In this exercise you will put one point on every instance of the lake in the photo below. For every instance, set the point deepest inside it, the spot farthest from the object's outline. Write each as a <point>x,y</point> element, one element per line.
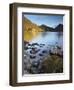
<point>46,41</point>
<point>38,49</point>
<point>50,38</point>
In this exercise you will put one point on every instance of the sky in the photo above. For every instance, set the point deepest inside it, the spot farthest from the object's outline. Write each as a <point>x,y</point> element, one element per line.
<point>49,20</point>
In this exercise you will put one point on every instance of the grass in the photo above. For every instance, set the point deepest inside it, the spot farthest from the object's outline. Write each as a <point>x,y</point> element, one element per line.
<point>53,64</point>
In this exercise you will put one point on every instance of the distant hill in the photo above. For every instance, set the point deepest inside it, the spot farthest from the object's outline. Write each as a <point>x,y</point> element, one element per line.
<point>59,28</point>
<point>46,28</point>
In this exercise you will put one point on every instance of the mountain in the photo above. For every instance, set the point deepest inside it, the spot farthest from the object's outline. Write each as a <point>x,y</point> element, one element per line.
<point>30,26</point>
<point>59,28</point>
<point>46,28</point>
<point>31,30</point>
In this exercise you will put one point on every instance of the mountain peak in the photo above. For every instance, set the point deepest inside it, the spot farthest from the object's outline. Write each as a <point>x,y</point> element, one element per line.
<point>59,27</point>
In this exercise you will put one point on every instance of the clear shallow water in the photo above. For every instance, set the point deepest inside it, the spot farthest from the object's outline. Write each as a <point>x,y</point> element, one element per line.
<point>50,38</point>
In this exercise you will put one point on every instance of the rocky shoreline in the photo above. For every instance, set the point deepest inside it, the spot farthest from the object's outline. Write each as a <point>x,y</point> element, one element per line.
<point>37,55</point>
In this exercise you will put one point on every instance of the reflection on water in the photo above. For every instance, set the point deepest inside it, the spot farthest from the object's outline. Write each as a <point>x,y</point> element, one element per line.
<point>51,38</point>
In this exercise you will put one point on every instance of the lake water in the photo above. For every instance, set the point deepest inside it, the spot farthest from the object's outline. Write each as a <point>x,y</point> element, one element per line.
<point>50,38</point>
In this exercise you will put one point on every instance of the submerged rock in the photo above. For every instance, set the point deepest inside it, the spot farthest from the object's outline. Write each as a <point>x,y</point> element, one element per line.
<point>32,57</point>
<point>41,54</point>
<point>44,51</point>
<point>35,56</point>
